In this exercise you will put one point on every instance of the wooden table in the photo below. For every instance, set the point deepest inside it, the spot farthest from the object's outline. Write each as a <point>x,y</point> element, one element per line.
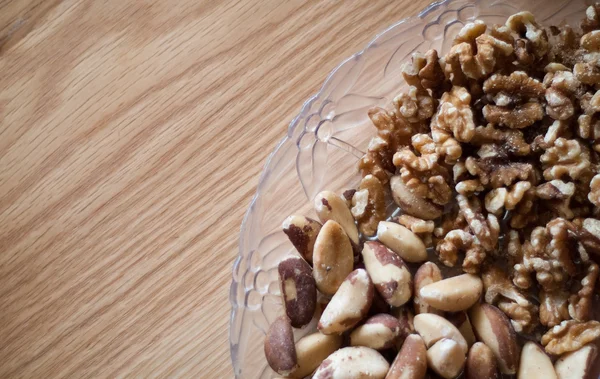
<point>132,136</point>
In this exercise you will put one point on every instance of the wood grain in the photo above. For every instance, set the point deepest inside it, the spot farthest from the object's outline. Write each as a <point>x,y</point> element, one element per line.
<point>132,134</point>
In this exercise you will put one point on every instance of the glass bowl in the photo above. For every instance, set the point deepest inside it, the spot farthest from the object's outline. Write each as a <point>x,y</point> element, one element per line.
<point>322,148</point>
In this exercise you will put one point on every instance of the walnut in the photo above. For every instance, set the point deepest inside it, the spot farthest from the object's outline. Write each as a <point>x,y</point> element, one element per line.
<point>519,117</point>
<point>501,292</point>
<point>592,18</point>
<point>446,146</point>
<point>474,258</point>
<point>580,302</point>
<point>554,67</point>
<point>590,103</point>
<point>392,132</point>
<point>591,41</point>
<point>564,47</point>
<point>432,75</point>
<point>476,64</point>
<point>547,253</point>
<point>570,335</point>
<point>410,70</point>
<point>510,140</point>
<point>516,86</point>
<point>587,236</point>
<point>557,194</point>
<point>415,105</point>
<point>516,97</point>
<point>524,214</point>
<point>562,87</point>
<point>368,205</point>
<point>424,71</point>
<point>557,129</point>
<point>497,173</point>
<point>470,32</point>
<point>454,115</point>
<point>499,199</point>
<point>416,225</point>
<point>422,228</point>
<point>503,33</point>
<point>452,220</point>
<point>360,202</point>
<point>453,242</point>
<point>594,195</point>
<point>523,23</point>
<point>433,188</point>
<point>589,122</point>
<point>553,307</point>
<point>589,128</point>
<point>378,160</point>
<point>475,54</point>
<point>524,52</point>
<point>587,59</point>
<point>486,230</point>
<point>459,171</point>
<point>468,187</point>
<point>592,226</point>
<point>514,250</point>
<point>426,161</point>
<point>459,240</point>
<point>563,80</point>
<point>566,158</point>
<point>395,130</point>
<point>422,174</point>
<point>588,72</point>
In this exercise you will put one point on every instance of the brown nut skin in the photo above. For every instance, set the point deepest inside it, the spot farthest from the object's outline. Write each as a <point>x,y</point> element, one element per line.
<point>535,363</point>
<point>428,273</point>
<point>302,232</point>
<point>333,258</point>
<point>330,206</point>
<point>355,362</point>
<point>280,350</point>
<point>493,328</point>
<point>389,273</point>
<point>453,294</point>
<point>578,364</point>
<point>411,361</point>
<point>402,241</point>
<point>433,328</point>
<point>312,350</point>
<point>298,290</point>
<point>446,358</point>
<point>349,305</point>
<point>379,332</point>
<point>481,363</point>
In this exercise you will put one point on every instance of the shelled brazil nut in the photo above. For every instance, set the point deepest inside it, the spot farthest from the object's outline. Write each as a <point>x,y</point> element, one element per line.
<point>333,258</point>
<point>298,290</point>
<point>353,362</point>
<point>349,305</point>
<point>389,273</point>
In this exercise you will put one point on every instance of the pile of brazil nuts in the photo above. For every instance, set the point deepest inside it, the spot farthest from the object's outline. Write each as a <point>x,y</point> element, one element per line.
<point>488,268</point>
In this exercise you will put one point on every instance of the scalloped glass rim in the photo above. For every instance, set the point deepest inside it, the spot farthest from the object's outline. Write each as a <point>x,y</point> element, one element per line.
<point>564,10</point>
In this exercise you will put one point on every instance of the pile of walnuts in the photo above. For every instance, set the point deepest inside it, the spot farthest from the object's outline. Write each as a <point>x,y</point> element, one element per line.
<point>493,157</point>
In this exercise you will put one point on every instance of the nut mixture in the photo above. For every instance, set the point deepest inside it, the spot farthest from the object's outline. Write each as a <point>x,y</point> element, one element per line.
<point>492,156</point>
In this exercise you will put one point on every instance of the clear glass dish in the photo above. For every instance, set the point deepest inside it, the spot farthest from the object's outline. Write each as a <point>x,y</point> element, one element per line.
<point>322,148</point>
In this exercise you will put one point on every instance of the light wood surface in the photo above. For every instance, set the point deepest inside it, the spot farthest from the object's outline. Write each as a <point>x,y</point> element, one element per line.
<point>132,134</point>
